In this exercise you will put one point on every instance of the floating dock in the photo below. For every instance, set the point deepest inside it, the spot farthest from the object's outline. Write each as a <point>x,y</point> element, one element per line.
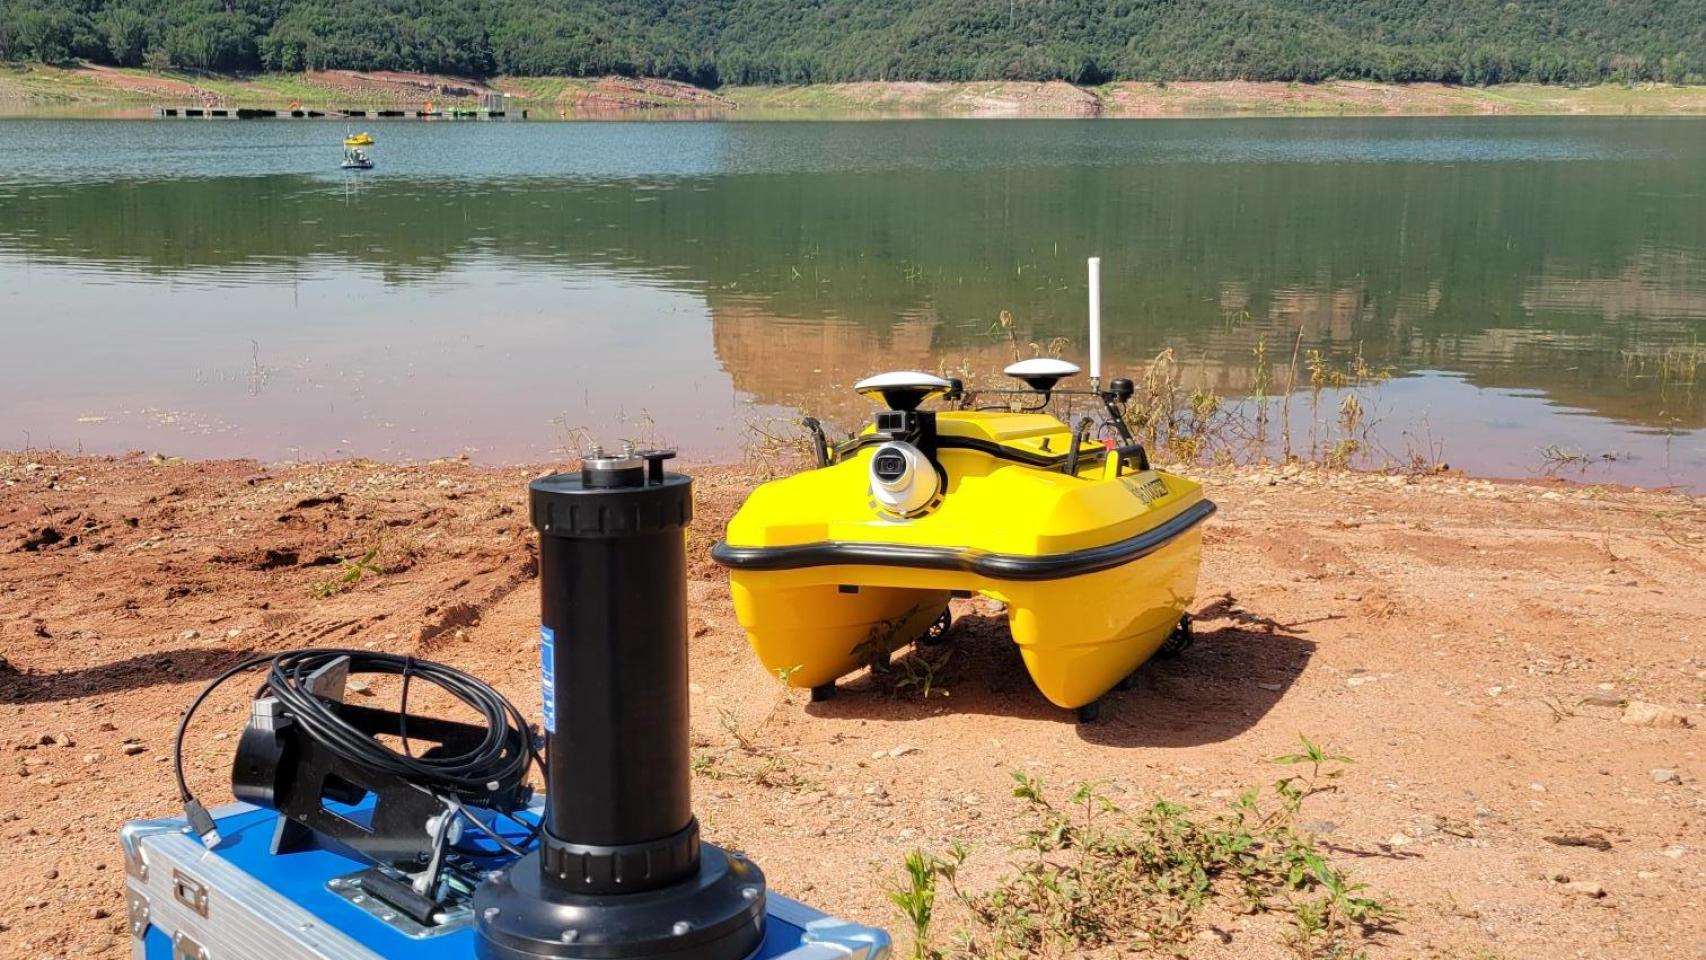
<point>333,113</point>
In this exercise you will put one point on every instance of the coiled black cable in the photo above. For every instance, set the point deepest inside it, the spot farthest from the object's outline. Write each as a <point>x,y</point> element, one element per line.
<point>496,765</point>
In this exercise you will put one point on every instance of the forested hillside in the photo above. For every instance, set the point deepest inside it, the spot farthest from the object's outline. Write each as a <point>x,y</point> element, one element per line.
<point>712,42</point>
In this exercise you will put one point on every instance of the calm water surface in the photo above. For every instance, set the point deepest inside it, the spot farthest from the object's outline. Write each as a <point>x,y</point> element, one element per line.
<point>220,288</point>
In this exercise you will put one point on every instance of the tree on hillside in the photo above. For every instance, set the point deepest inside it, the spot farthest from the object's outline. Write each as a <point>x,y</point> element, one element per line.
<point>813,41</point>
<point>126,35</point>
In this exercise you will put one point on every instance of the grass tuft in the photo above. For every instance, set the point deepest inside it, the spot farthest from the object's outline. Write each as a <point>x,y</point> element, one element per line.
<point>350,572</point>
<point>1092,877</point>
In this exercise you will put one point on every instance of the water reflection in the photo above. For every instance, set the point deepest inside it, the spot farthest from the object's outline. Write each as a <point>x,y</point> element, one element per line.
<point>492,362</point>
<point>1530,282</point>
<point>1435,415</point>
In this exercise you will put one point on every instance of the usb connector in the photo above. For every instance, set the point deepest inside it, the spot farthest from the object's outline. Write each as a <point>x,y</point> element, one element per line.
<point>201,823</point>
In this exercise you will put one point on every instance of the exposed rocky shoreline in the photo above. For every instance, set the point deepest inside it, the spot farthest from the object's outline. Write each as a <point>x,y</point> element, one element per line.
<point>42,90</point>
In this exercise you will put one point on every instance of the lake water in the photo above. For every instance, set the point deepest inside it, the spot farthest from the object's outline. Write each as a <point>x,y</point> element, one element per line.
<point>1535,286</point>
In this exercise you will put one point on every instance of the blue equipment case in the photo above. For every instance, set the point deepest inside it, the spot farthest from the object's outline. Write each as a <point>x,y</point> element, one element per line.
<point>241,902</point>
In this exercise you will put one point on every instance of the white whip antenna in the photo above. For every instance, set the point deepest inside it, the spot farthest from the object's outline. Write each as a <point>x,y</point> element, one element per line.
<point>1095,323</point>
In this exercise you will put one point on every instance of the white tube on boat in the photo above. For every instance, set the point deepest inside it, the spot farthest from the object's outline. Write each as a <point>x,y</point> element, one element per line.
<point>1095,323</point>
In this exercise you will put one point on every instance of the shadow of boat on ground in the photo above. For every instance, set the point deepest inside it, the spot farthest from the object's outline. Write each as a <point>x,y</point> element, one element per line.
<point>1241,665</point>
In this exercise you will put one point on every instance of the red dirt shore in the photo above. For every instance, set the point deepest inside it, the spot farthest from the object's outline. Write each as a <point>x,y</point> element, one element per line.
<point>1505,663</point>
<point>153,85</point>
<point>396,86</point>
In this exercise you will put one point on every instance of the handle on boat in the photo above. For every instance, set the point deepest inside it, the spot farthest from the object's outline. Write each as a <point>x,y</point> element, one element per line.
<point>1078,438</point>
<point>820,443</point>
<point>1129,451</point>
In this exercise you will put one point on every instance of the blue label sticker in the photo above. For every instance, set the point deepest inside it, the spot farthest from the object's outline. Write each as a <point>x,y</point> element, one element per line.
<point>548,675</point>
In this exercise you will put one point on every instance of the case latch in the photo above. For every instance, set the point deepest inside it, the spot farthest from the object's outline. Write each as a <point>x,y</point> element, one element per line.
<point>190,892</point>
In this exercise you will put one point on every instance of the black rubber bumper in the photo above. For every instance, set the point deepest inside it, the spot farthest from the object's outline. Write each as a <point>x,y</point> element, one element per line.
<point>996,566</point>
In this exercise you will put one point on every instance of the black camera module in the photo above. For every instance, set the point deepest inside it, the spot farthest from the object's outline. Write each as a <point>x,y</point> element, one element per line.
<point>889,467</point>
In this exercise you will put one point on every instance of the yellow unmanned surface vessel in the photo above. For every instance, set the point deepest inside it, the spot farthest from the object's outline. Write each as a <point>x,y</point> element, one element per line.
<point>359,140</point>
<point>1094,553</point>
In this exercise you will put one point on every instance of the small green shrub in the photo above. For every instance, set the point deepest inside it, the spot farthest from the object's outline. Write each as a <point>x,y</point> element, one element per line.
<point>1094,876</point>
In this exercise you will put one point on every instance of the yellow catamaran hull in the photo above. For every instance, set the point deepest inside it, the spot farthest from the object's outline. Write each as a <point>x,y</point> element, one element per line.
<point>1095,566</point>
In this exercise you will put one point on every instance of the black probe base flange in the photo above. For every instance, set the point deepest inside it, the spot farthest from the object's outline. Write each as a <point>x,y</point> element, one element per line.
<point>594,869</point>
<point>716,915</point>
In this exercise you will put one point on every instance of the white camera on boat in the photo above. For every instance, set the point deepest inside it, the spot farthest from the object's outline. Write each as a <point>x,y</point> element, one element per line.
<point>903,480</point>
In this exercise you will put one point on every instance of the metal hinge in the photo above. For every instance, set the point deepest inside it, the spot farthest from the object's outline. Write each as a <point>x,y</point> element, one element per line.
<point>183,948</point>
<point>190,892</point>
<point>138,905</point>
